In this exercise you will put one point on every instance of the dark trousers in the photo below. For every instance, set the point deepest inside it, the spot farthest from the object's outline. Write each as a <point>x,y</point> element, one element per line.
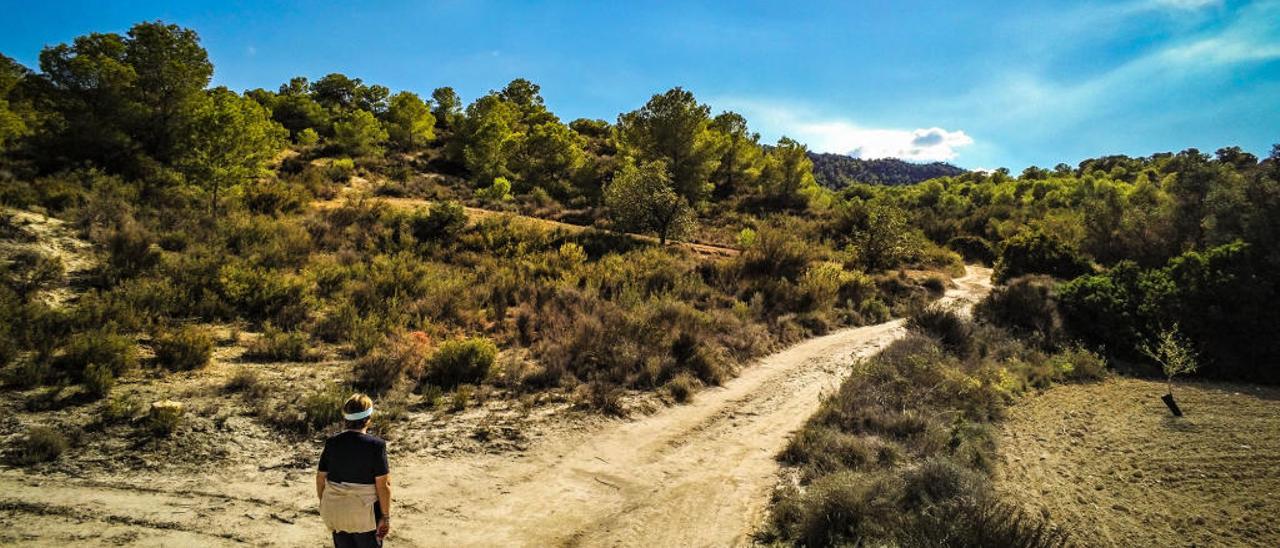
<point>356,540</point>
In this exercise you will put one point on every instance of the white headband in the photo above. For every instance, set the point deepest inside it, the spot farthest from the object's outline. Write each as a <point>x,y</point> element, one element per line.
<point>358,415</point>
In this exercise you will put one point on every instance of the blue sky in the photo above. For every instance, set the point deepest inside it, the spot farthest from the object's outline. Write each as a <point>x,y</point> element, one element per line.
<point>980,84</point>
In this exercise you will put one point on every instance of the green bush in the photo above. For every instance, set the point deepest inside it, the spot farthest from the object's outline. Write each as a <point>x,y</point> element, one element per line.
<point>340,170</point>
<point>1038,252</point>
<point>115,352</point>
<point>444,222</point>
<point>973,248</point>
<point>183,349</point>
<point>41,444</point>
<point>1027,307</point>
<point>246,381</point>
<point>323,407</point>
<point>461,361</point>
<point>98,380</point>
<point>29,272</point>
<point>950,328</point>
<point>279,345</point>
<point>121,408</point>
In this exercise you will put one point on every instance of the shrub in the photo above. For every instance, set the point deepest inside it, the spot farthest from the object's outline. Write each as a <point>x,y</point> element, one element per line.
<point>444,222</point>
<point>183,349</point>
<point>940,480</point>
<point>601,396</point>
<point>499,191</point>
<point>115,352</point>
<point>323,407</point>
<point>682,387</point>
<point>948,326</point>
<point>121,408</point>
<point>461,398</point>
<point>1037,252</point>
<point>30,272</point>
<point>936,285</point>
<point>1077,363</point>
<point>278,345</point>
<point>98,380</point>
<point>340,170</point>
<point>981,521</point>
<point>273,196</point>
<point>247,382</point>
<point>404,354</point>
<point>1026,306</point>
<point>461,361</point>
<point>41,444</point>
<point>973,248</point>
<point>822,449</point>
<point>847,508</point>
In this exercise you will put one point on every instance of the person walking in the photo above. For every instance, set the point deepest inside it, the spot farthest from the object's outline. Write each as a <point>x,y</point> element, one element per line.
<point>353,481</point>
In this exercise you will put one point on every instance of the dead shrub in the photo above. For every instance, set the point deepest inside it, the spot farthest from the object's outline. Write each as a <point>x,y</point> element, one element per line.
<point>401,355</point>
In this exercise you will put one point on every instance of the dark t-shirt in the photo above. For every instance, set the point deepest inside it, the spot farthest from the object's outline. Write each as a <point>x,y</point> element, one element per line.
<point>354,457</point>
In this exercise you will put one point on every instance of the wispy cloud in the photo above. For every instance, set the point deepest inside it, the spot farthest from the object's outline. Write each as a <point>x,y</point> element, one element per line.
<point>843,136</point>
<point>1163,82</point>
<point>1180,4</point>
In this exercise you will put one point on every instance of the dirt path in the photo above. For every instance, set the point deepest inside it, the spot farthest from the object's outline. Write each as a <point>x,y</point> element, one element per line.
<point>478,213</point>
<point>690,475</point>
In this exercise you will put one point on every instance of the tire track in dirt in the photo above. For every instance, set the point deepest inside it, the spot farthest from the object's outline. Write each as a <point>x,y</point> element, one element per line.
<point>694,475</point>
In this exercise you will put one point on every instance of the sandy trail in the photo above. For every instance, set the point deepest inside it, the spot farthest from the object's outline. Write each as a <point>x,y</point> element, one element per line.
<point>690,475</point>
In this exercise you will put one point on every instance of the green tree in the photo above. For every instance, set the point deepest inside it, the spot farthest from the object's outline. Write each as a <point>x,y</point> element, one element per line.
<point>358,133</point>
<point>881,235</point>
<point>641,198</point>
<point>527,97</point>
<point>13,116</point>
<point>446,107</point>
<point>409,121</point>
<point>787,178</point>
<point>1038,252</point>
<point>547,158</point>
<point>672,128</point>
<point>231,140</point>
<point>1173,353</point>
<point>171,71</point>
<point>336,91</point>
<point>740,155</point>
<point>87,86</point>
<point>487,136</point>
<point>296,110</point>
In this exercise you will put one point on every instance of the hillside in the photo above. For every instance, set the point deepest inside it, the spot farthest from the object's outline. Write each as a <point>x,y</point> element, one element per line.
<point>836,171</point>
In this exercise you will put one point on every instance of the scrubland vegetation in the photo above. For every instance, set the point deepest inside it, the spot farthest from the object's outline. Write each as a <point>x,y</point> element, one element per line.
<point>261,212</point>
<point>903,452</point>
<point>530,255</point>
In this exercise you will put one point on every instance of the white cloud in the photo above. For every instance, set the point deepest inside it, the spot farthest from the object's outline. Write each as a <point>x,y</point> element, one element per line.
<point>841,136</point>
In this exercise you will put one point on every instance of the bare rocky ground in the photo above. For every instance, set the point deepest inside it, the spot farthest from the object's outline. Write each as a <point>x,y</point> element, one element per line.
<point>1108,462</point>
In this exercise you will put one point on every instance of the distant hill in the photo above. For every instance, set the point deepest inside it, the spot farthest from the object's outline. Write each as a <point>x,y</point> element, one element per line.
<point>838,170</point>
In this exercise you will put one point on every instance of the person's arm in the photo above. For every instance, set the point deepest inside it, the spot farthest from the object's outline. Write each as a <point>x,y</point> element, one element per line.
<point>383,485</point>
<point>321,480</point>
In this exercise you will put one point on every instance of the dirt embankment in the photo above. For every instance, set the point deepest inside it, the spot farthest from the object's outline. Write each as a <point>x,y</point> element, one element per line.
<point>690,475</point>
<point>1110,464</point>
